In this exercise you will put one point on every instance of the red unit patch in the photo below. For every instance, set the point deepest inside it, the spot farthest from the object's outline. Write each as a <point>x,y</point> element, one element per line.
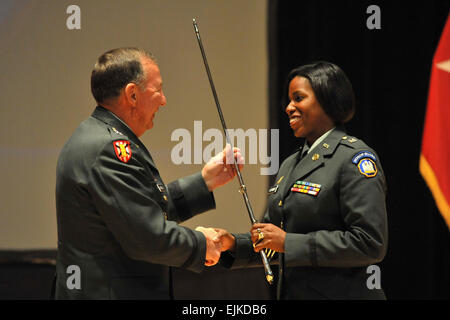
<point>123,150</point>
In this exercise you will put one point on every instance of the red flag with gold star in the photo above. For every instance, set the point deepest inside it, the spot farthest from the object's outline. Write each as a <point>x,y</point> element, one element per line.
<point>435,155</point>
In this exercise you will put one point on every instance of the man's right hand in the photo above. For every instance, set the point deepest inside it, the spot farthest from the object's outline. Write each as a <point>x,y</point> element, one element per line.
<point>226,239</point>
<point>213,245</point>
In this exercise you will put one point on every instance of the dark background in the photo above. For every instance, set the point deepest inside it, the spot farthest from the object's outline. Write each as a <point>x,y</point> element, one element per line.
<point>389,70</point>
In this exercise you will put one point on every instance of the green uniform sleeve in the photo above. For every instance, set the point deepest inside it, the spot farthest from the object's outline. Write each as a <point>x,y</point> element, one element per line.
<point>364,240</point>
<point>190,196</point>
<point>124,195</point>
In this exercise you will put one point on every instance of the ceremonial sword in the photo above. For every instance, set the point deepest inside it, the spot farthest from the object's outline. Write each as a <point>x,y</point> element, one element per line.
<point>243,189</point>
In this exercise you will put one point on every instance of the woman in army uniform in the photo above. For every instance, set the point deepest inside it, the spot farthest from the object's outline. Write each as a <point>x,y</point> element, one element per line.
<point>326,215</point>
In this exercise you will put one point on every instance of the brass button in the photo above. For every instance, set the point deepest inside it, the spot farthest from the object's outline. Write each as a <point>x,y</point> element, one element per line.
<point>326,145</point>
<point>280,203</point>
<point>315,157</point>
<point>344,138</point>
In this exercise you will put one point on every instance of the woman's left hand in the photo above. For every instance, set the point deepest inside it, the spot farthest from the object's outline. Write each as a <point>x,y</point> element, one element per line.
<point>273,237</point>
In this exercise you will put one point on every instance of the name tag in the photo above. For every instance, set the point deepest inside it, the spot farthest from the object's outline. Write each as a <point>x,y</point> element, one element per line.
<point>161,187</point>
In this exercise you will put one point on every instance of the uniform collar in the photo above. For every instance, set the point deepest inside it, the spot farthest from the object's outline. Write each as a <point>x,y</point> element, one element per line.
<point>330,143</point>
<point>120,126</point>
<point>319,140</point>
<point>327,145</point>
<point>114,121</point>
<point>314,159</point>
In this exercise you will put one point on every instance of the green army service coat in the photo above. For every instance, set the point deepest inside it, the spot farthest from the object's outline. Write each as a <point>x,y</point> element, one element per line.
<point>331,203</point>
<point>117,220</point>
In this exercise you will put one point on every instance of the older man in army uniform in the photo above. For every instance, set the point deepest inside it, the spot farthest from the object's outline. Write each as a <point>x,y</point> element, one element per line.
<point>117,220</point>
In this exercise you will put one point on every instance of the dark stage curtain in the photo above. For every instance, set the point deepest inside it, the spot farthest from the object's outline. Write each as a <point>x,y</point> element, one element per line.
<point>389,69</point>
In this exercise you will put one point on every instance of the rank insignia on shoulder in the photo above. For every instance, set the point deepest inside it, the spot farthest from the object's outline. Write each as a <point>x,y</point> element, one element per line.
<point>306,187</point>
<point>117,131</point>
<point>122,149</point>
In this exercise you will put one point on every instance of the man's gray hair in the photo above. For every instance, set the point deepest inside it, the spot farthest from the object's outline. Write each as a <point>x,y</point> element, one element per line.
<point>115,69</point>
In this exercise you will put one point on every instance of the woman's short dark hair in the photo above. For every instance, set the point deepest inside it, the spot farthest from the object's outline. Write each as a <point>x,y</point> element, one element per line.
<point>331,87</point>
<point>115,69</point>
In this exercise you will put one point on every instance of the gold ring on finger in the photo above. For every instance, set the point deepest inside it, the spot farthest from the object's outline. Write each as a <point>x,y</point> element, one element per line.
<point>260,236</point>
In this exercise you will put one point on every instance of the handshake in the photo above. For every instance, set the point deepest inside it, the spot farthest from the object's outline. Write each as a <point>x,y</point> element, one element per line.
<point>265,236</point>
<point>217,241</point>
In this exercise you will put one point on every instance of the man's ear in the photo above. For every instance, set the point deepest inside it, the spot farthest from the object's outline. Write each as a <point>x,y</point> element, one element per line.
<point>131,93</point>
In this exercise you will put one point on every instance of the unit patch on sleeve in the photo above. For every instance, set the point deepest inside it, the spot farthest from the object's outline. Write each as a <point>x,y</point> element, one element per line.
<point>363,154</point>
<point>306,187</point>
<point>123,150</point>
<point>365,161</point>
